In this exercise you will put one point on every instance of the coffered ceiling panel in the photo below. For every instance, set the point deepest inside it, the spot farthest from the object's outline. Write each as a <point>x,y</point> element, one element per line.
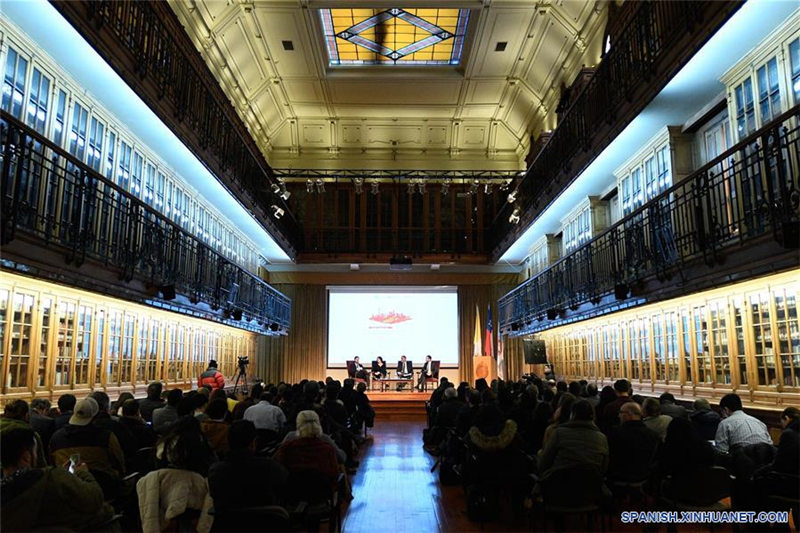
<point>271,59</point>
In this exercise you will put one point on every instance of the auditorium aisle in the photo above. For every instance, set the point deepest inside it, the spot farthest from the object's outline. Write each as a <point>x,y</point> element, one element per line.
<point>395,491</point>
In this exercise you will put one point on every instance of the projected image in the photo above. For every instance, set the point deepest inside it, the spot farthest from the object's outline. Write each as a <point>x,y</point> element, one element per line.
<point>391,322</point>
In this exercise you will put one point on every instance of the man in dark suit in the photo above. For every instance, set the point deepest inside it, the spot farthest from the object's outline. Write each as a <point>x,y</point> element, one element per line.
<point>669,407</point>
<point>427,372</point>
<point>405,369</point>
<point>40,422</point>
<point>632,446</point>
<point>358,369</point>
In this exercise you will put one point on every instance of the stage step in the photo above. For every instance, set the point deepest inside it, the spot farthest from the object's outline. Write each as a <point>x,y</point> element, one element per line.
<point>394,405</point>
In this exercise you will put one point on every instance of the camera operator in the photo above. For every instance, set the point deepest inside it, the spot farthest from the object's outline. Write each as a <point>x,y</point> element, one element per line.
<point>211,377</point>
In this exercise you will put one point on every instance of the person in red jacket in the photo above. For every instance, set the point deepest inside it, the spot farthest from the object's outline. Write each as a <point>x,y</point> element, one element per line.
<point>211,377</point>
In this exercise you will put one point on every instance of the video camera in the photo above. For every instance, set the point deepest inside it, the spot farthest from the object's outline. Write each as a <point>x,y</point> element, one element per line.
<point>243,361</point>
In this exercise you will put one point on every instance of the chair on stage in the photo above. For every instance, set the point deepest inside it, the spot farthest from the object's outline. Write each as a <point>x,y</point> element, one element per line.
<point>351,373</point>
<point>434,377</point>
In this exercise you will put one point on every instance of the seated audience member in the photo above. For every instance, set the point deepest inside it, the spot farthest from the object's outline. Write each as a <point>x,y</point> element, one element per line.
<point>405,368</point>
<point>46,498</point>
<point>787,458</point>
<point>103,420</point>
<point>654,419</point>
<point>40,422</point>
<point>335,413</point>
<point>562,415</point>
<point>16,415</point>
<point>143,435</point>
<point>683,449</point>
<point>542,418</point>
<point>347,396</point>
<point>308,451</point>
<point>365,410</point>
<point>164,417</point>
<point>610,418</point>
<point>447,413</point>
<point>632,446</point>
<point>468,412</point>
<point>66,404</point>
<point>704,419</point>
<point>179,487</point>
<point>116,407</point>
<point>98,447</point>
<point>215,428</point>
<point>152,402</point>
<point>738,429</point>
<point>578,442</point>
<point>200,403</point>
<point>607,395</point>
<point>379,368</point>
<point>266,416</point>
<point>591,395</point>
<point>360,372</point>
<point>670,408</point>
<point>244,479</point>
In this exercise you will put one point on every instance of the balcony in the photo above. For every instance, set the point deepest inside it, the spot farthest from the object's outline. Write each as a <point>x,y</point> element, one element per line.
<point>737,216</point>
<point>63,220</point>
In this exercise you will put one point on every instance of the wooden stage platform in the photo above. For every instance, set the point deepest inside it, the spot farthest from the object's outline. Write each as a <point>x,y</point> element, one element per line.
<point>403,405</point>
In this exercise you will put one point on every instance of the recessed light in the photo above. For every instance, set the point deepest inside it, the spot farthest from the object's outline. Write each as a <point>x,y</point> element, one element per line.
<point>500,46</point>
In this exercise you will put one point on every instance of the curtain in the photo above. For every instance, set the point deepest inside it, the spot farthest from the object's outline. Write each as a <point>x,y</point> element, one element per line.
<point>301,354</point>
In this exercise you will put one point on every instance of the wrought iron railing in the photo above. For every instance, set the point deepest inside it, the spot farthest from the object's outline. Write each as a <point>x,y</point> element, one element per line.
<point>624,82</point>
<point>61,202</point>
<point>149,48</point>
<point>750,192</point>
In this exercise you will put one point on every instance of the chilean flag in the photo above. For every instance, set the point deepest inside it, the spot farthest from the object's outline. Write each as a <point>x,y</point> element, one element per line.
<point>487,342</point>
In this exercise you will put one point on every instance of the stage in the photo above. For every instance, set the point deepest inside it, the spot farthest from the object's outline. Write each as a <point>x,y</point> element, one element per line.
<point>404,405</point>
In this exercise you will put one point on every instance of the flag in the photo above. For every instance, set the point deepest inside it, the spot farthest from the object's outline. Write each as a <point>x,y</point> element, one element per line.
<point>488,344</point>
<point>476,346</point>
<point>501,373</point>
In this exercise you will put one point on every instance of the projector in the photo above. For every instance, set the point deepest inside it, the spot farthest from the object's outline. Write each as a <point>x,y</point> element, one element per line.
<point>400,262</point>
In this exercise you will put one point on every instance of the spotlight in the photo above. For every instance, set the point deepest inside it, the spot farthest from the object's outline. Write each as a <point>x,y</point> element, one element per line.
<point>277,212</point>
<point>285,194</point>
<point>274,326</point>
<point>320,185</point>
<point>473,189</point>
<point>552,314</point>
<point>512,197</point>
<point>621,291</point>
<point>375,187</point>
<point>488,189</point>
<point>421,187</point>
<point>309,185</point>
<point>276,188</point>
<point>514,218</point>
<point>411,188</point>
<point>168,292</point>
<point>446,187</point>
<point>358,183</point>
<point>281,191</point>
<point>236,314</point>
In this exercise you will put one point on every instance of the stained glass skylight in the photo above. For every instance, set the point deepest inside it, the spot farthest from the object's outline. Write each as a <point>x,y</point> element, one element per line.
<point>394,36</point>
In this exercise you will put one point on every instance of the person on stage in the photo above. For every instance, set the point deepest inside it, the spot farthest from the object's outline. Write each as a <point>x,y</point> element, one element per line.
<point>379,368</point>
<point>427,372</point>
<point>359,368</point>
<point>405,369</point>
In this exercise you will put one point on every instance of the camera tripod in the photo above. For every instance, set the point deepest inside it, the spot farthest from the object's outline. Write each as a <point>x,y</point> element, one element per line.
<point>241,380</point>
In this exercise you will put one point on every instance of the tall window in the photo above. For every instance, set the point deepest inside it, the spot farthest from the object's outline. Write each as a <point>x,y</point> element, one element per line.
<point>77,134</point>
<point>96,132</point>
<point>159,201</point>
<point>36,117</point>
<point>794,69</point>
<point>14,83</point>
<point>3,321</point>
<point>769,95</point>
<point>124,168</point>
<point>745,110</point>
<point>112,145</point>
<point>149,184</point>
<point>578,230</point>
<point>136,174</point>
<point>61,111</point>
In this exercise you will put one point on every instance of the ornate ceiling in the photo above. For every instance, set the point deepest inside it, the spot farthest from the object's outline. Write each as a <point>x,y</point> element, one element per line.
<point>270,57</point>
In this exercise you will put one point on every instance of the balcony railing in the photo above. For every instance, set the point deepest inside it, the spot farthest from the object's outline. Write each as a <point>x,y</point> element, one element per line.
<point>750,192</point>
<point>60,202</point>
<point>628,77</point>
<point>146,44</point>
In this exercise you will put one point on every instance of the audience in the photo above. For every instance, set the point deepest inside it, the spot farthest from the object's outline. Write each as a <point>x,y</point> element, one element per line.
<point>447,413</point>
<point>738,429</point>
<point>152,402</point>
<point>670,408</point>
<point>266,416</point>
<point>632,446</point>
<point>243,479</point>
<point>131,419</point>
<point>704,419</point>
<point>164,417</point>
<point>103,420</point>
<point>40,421</point>
<point>308,451</point>
<point>610,418</point>
<point>684,449</point>
<point>66,404</point>
<point>16,415</point>
<point>578,442</point>
<point>653,418</point>
<point>215,428</point>
<point>37,497</point>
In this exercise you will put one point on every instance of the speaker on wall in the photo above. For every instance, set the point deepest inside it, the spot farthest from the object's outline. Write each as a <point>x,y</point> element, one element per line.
<point>535,352</point>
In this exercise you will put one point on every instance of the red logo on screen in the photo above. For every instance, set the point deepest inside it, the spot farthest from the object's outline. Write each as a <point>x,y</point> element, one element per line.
<point>390,318</point>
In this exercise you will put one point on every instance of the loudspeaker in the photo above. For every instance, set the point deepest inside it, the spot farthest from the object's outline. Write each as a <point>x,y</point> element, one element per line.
<point>535,352</point>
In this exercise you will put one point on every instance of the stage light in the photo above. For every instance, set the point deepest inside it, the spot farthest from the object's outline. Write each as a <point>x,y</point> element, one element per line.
<point>276,188</point>
<point>621,291</point>
<point>473,189</point>
<point>309,185</point>
<point>358,183</point>
<point>375,185</point>
<point>488,189</point>
<point>512,197</point>
<point>168,292</point>
<point>410,188</point>
<point>236,314</point>
<point>421,187</point>
<point>274,326</point>
<point>446,187</point>
<point>320,185</point>
<point>277,212</point>
<point>514,217</point>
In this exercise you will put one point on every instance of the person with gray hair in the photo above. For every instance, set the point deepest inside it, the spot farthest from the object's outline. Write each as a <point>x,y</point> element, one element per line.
<point>704,419</point>
<point>447,413</point>
<point>654,419</point>
<point>632,446</point>
<point>308,451</point>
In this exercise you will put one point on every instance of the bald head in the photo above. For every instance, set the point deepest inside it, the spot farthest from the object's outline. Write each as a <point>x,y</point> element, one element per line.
<point>630,411</point>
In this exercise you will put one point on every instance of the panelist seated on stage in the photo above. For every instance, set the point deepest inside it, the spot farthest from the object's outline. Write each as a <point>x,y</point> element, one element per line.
<point>379,368</point>
<point>427,372</point>
<point>405,368</point>
<point>358,369</point>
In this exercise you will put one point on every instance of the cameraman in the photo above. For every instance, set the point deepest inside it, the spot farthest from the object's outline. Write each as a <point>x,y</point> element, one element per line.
<point>211,377</point>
